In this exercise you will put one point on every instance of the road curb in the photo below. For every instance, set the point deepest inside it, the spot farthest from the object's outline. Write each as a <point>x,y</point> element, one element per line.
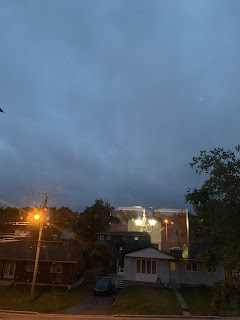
<point>150,316</point>
<point>19,311</point>
<point>168,316</point>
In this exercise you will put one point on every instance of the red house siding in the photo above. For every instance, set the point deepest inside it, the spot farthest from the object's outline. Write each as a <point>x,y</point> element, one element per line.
<point>44,273</point>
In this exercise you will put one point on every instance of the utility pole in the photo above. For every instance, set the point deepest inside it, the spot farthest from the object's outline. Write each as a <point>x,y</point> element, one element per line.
<point>36,261</point>
<point>38,249</point>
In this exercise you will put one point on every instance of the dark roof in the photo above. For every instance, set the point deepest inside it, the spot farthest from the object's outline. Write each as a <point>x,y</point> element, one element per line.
<point>126,233</point>
<point>50,251</point>
<point>132,245</point>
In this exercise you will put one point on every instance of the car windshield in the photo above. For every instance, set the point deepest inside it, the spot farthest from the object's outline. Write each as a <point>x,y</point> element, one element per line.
<point>102,282</point>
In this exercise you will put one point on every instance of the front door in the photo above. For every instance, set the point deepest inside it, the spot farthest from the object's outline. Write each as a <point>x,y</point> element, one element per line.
<point>173,272</point>
<point>9,270</point>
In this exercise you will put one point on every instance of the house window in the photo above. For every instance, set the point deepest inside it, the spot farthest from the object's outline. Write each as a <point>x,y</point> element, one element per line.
<point>192,266</point>
<point>135,238</point>
<point>101,237</point>
<point>154,267</point>
<point>124,237</point>
<point>56,268</point>
<point>146,266</point>
<point>173,266</point>
<point>138,266</point>
<point>212,269</point>
<point>108,237</point>
<point>30,267</point>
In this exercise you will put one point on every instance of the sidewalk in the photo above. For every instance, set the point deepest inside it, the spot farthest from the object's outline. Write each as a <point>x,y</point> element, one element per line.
<point>182,302</point>
<point>28,316</point>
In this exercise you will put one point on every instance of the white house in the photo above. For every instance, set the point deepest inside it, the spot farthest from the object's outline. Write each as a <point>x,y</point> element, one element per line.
<point>150,266</point>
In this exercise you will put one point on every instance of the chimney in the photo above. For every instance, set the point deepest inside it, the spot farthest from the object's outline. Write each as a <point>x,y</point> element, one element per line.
<point>176,252</point>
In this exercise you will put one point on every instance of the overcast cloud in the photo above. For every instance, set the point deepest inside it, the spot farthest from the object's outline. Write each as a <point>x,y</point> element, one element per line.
<point>113,98</point>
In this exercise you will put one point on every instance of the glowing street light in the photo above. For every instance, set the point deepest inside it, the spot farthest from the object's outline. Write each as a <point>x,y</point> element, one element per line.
<point>166,222</point>
<point>37,217</point>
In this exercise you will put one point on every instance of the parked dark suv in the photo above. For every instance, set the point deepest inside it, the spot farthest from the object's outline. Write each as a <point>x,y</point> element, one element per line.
<point>103,287</point>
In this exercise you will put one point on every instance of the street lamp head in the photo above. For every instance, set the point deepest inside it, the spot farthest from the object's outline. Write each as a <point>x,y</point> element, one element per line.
<point>166,221</point>
<point>152,222</point>
<point>138,222</point>
<point>37,217</point>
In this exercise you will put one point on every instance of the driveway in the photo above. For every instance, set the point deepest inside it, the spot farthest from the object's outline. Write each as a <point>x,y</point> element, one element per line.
<point>95,305</point>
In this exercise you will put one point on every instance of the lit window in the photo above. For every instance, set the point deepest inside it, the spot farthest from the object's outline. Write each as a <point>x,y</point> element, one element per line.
<point>56,268</point>
<point>173,266</point>
<point>135,238</point>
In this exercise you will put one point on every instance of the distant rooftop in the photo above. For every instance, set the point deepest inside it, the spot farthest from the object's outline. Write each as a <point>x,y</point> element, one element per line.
<point>132,208</point>
<point>140,208</point>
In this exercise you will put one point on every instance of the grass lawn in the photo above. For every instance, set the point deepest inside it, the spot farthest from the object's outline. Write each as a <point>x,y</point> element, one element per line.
<point>146,300</point>
<point>47,299</point>
<point>199,303</point>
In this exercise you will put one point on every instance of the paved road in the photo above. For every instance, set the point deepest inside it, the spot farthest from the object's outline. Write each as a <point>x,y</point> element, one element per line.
<point>18,316</point>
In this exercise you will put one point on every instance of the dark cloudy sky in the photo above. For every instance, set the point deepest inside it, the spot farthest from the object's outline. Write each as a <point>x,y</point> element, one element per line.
<point>113,98</point>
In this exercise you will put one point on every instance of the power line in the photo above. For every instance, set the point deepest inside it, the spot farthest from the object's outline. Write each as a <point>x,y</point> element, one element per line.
<point>108,197</point>
<point>70,195</point>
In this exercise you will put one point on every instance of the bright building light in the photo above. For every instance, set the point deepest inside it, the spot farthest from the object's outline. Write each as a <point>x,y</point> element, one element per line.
<point>152,222</point>
<point>138,222</point>
<point>37,216</point>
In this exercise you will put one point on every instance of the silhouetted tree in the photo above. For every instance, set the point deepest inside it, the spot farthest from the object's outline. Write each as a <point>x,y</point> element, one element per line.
<point>217,207</point>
